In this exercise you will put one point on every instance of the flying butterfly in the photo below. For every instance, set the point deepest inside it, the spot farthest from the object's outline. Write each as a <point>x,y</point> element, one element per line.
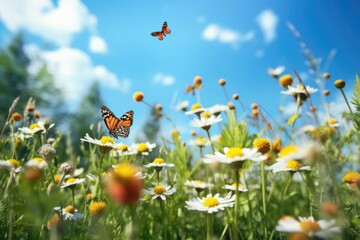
<point>117,126</point>
<point>164,31</point>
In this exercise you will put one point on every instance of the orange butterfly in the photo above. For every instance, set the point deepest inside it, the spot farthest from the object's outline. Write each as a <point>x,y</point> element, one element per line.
<point>163,32</point>
<point>117,126</point>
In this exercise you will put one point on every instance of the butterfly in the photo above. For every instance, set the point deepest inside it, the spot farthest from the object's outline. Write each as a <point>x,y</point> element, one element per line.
<point>117,126</point>
<point>164,31</point>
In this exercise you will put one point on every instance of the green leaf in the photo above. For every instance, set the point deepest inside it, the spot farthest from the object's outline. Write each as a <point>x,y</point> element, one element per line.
<point>292,118</point>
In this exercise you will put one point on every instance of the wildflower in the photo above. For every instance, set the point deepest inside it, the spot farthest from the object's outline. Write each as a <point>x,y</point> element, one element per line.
<point>34,168</point>
<point>75,173</point>
<point>235,156</point>
<point>55,223</point>
<point>193,133</point>
<point>217,109</point>
<point>340,84</point>
<point>159,164</point>
<point>305,152</point>
<point>307,227</point>
<point>123,150</point>
<point>326,92</point>
<point>222,82</point>
<point>158,107</point>
<point>254,106</point>
<point>231,106</point>
<point>36,114</point>
<point>235,96</point>
<point>333,123</point>
<point>276,146</point>
<point>200,142</point>
<point>182,106</point>
<point>30,105</point>
<point>160,191</point>
<point>124,183</point>
<point>211,204</point>
<point>262,144</point>
<point>198,185</point>
<point>291,165</point>
<point>16,117</point>
<point>33,129</point>
<point>196,108</point>
<point>326,75</point>
<point>66,168</point>
<point>57,178</point>
<point>10,165</point>
<point>105,144</point>
<point>97,208</point>
<point>89,197</point>
<point>232,187</point>
<point>197,82</point>
<point>69,213</point>
<point>276,72</point>
<point>47,151</point>
<point>352,178</point>
<point>72,182</point>
<point>143,148</point>
<point>37,162</point>
<point>138,96</point>
<point>46,123</point>
<point>205,122</point>
<point>300,92</point>
<point>329,208</point>
<point>286,81</point>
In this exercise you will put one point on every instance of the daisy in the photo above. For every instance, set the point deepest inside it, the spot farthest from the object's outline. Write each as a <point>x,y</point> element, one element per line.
<point>200,142</point>
<point>39,163</point>
<point>235,156</point>
<point>302,152</point>
<point>76,173</point>
<point>182,106</point>
<point>143,148</point>
<point>105,144</point>
<point>69,213</point>
<point>333,123</point>
<point>123,150</point>
<point>290,166</point>
<point>72,182</point>
<point>195,109</point>
<point>160,191</point>
<point>232,187</point>
<point>198,185</point>
<point>205,121</point>
<point>217,109</point>
<point>300,91</point>
<point>276,72</point>
<point>46,123</point>
<point>33,129</point>
<point>211,203</point>
<point>308,227</point>
<point>11,165</point>
<point>158,164</point>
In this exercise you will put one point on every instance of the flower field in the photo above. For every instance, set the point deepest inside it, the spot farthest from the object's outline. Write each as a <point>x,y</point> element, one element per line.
<point>257,179</point>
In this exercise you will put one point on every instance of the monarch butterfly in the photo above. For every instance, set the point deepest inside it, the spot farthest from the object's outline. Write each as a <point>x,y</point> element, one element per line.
<point>117,126</point>
<point>164,31</point>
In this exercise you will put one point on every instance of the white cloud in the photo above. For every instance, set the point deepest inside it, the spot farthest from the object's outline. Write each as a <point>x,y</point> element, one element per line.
<point>97,45</point>
<point>268,21</point>
<point>213,32</point>
<point>74,71</point>
<point>56,23</point>
<point>164,79</point>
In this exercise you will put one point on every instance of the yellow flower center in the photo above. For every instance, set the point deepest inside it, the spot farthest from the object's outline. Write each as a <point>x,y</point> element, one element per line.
<point>309,226</point>
<point>201,140</point>
<point>234,185</point>
<point>351,177</point>
<point>195,106</point>
<point>158,190</point>
<point>158,161</point>
<point>206,114</point>
<point>199,182</point>
<point>125,171</point>
<point>33,126</point>
<point>38,159</point>
<point>292,164</point>
<point>96,208</point>
<point>57,178</point>
<point>106,139</point>
<point>16,116</point>
<point>123,147</point>
<point>211,202</point>
<point>300,87</point>
<point>262,144</point>
<point>71,180</point>
<point>332,121</point>
<point>174,133</point>
<point>234,152</point>
<point>143,147</point>
<point>138,96</point>
<point>14,162</point>
<point>70,209</point>
<point>89,196</point>
<point>287,150</point>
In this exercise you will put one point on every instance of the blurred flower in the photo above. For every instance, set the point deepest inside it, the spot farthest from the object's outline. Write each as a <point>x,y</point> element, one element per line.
<point>138,96</point>
<point>198,185</point>
<point>333,123</point>
<point>105,144</point>
<point>276,72</point>
<point>286,80</point>
<point>160,191</point>
<point>326,92</point>
<point>232,187</point>
<point>308,227</point>
<point>69,213</point>
<point>46,123</point>
<point>262,144</point>
<point>159,164</point>
<point>231,105</point>
<point>217,109</point>
<point>47,151</point>
<point>37,114</point>
<point>143,148</point>
<point>197,82</point>
<point>30,106</point>
<point>277,145</point>
<point>66,168</point>
<point>340,84</point>
<point>34,168</point>
<point>352,179</point>
<point>72,182</point>
<point>299,91</point>
<point>211,204</point>
<point>196,108</point>
<point>326,75</point>
<point>254,106</point>
<point>55,223</point>
<point>33,129</point>
<point>11,165</point>
<point>205,122</point>
<point>75,173</point>
<point>235,96</point>
<point>305,152</point>
<point>16,116</point>
<point>123,150</point>
<point>37,162</point>
<point>291,165</point>
<point>97,208</point>
<point>200,142</point>
<point>182,106</point>
<point>222,82</point>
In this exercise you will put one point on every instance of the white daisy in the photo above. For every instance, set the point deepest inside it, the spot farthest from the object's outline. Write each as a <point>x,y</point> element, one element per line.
<point>211,203</point>
<point>198,185</point>
<point>276,72</point>
<point>142,148</point>
<point>39,163</point>
<point>300,91</point>
<point>11,165</point>
<point>205,122</point>
<point>290,166</point>
<point>46,123</point>
<point>333,123</point>
<point>158,164</point>
<point>305,151</point>
<point>76,173</point>
<point>33,129</point>
<point>200,142</point>
<point>232,187</point>
<point>69,213</point>
<point>182,106</point>
<point>217,109</point>
<point>72,182</point>
<point>160,191</point>
<point>308,226</point>
<point>105,144</point>
<point>195,109</point>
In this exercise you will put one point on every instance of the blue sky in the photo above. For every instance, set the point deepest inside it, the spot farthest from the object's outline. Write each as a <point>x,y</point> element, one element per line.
<point>213,39</point>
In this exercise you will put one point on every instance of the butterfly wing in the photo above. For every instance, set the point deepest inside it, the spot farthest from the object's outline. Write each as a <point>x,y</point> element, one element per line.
<point>122,128</point>
<point>110,120</point>
<point>165,29</point>
<point>159,35</point>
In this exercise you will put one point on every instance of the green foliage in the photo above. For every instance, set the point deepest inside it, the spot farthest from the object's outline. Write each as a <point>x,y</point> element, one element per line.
<point>356,101</point>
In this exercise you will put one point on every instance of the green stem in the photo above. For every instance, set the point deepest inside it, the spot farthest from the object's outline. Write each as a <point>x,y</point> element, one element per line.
<point>208,134</point>
<point>209,232</point>
<point>73,195</point>
<point>250,212</point>
<point>347,103</point>
<point>263,185</point>
<point>163,213</point>
<point>284,192</point>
